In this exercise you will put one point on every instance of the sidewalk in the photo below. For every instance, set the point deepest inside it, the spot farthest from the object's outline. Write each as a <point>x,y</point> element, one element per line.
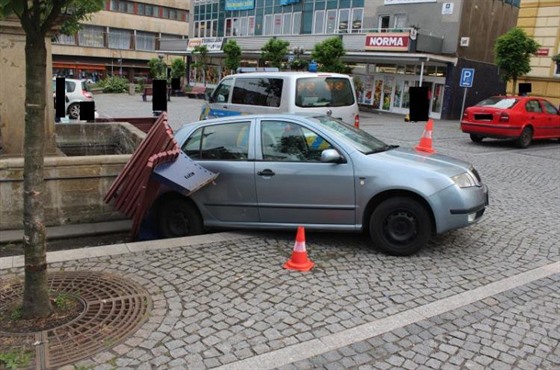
<point>223,301</point>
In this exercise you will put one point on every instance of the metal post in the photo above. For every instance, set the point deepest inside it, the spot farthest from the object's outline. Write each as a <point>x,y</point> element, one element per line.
<point>463,106</point>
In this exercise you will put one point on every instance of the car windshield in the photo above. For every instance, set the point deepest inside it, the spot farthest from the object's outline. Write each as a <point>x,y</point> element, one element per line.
<point>498,102</point>
<point>357,138</point>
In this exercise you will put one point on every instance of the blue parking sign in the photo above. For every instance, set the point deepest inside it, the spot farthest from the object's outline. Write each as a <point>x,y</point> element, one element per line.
<point>467,77</point>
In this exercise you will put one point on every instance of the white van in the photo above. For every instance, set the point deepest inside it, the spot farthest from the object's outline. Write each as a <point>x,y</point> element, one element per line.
<point>284,92</point>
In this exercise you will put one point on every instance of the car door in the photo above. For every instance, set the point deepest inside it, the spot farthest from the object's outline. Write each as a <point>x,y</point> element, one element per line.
<point>293,185</point>
<point>536,116</point>
<point>551,120</point>
<point>225,149</point>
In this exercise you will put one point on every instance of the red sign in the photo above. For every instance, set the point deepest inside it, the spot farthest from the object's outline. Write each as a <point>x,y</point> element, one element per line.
<point>387,41</point>
<point>542,52</point>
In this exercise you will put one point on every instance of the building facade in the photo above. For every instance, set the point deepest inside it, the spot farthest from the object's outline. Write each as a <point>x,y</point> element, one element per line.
<point>121,39</point>
<point>392,45</point>
<point>541,20</point>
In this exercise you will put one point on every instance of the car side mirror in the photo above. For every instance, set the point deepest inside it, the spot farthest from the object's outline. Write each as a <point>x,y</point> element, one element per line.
<point>331,156</point>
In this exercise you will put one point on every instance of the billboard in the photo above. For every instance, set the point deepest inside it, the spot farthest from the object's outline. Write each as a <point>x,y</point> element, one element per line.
<point>240,4</point>
<point>387,41</point>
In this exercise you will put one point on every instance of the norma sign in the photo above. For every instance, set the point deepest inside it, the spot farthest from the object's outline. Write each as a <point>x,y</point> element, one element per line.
<point>387,41</point>
<point>467,77</point>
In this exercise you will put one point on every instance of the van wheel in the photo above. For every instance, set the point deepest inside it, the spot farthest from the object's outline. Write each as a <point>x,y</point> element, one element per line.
<point>178,216</point>
<point>74,111</point>
<point>400,226</point>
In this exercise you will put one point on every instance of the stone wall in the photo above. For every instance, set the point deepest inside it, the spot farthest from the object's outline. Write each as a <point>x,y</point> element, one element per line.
<point>75,186</point>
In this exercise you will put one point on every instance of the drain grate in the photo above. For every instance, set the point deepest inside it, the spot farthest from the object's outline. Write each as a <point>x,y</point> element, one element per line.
<point>114,308</point>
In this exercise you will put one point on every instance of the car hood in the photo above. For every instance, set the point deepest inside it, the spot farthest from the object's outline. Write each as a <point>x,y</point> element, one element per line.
<point>419,160</point>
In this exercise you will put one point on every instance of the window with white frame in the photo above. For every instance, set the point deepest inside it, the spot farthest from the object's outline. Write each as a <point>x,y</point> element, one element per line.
<point>357,20</point>
<point>296,27</point>
<point>287,24</point>
<point>400,21</point>
<point>319,22</point>
<point>277,24</point>
<point>251,26</point>
<point>343,20</point>
<point>267,27</point>
<point>383,22</point>
<point>331,21</point>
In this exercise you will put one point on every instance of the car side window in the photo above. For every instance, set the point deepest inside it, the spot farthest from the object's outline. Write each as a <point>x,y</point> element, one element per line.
<point>549,108</point>
<point>287,141</point>
<point>219,142</point>
<point>533,106</point>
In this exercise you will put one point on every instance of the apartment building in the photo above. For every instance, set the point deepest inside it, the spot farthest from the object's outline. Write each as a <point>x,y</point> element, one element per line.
<point>541,20</point>
<point>392,45</point>
<point>122,38</point>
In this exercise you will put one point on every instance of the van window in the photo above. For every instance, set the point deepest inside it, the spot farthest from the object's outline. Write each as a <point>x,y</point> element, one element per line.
<point>265,92</point>
<point>324,92</point>
<point>221,93</point>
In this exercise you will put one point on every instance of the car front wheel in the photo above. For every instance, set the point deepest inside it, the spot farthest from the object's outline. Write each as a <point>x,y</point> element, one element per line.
<point>400,226</point>
<point>524,140</point>
<point>178,216</point>
<point>74,111</point>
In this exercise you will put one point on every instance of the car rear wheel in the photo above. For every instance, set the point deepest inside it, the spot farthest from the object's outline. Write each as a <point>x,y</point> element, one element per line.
<point>400,226</point>
<point>178,216</point>
<point>476,138</point>
<point>74,111</point>
<point>524,140</point>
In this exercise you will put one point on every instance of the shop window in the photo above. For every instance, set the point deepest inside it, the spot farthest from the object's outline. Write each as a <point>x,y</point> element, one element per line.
<point>296,30</point>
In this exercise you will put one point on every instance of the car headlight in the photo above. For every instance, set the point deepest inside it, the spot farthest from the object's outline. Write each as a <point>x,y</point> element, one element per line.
<point>465,180</point>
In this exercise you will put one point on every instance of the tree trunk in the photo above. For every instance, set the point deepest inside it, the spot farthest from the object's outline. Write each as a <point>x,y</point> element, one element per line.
<point>36,303</point>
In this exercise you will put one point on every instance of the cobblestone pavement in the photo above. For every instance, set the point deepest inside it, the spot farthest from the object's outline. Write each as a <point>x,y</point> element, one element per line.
<point>484,297</point>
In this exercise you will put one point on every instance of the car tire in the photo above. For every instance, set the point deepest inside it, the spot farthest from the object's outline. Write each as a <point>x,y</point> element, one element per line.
<point>400,226</point>
<point>476,138</point>
<point>178,216</point>
<point>524,140</point>
<point>74,111</point>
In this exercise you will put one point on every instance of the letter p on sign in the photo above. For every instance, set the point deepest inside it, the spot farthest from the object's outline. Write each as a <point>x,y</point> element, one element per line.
<point>467,77</point>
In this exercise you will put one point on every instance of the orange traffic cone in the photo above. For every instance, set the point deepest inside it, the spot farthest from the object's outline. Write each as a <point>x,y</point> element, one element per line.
<point>299,260</point>
<point>425,144</point>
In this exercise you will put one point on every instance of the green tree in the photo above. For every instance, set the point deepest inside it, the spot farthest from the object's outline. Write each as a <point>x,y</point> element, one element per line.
<point>201,52</point>
<point>178,68</point>
<point>328,55</point>
<point>233,55</point>
<point>158,69</point>
<point>39,19</point>
<point>274,52</point>
<point>513,52</point>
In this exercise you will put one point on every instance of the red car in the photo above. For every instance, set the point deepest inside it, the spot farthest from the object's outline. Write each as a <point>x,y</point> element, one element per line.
<point>523,118</point>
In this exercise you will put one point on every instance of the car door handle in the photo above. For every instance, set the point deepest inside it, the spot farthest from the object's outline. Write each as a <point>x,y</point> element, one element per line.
<point>266,173</point>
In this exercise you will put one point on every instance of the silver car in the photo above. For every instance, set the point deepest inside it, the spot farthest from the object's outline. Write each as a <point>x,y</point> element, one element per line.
<point>284,171</point>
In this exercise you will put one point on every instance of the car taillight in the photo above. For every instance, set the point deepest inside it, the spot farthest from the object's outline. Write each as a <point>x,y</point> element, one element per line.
<point>504,117</point>
<point>87,94</point>
<point>357,121</point>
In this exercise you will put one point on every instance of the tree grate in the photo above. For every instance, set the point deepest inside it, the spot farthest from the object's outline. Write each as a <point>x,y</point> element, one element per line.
<point>114,308</point>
